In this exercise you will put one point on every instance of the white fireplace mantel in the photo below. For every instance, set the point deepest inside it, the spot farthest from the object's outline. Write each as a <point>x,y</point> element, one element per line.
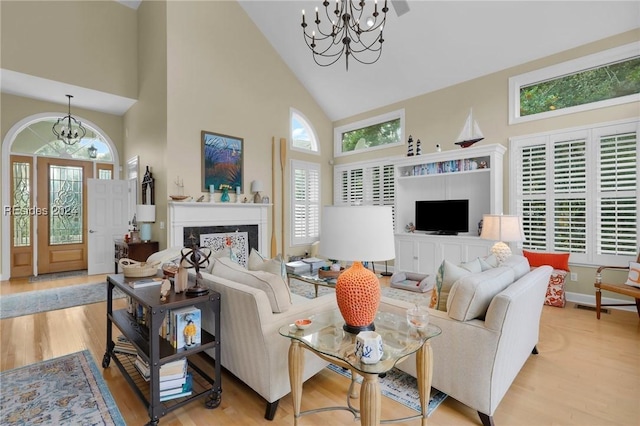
<point>189,214</point>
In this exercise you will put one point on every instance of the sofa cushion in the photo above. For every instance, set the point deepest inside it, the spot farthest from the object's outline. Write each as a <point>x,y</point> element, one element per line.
<point>471,295</point>
<point>273,285</point>
<point>555,260</point>
<point>258,262</point>
<point>519,264</point>
<point>226,252</point>
<point>488,262</point>
<point>449,273</point>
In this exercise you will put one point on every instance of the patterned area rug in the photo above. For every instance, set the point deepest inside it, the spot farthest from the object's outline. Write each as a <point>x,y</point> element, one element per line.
<point>68,390</point>
<point>32,302</point>
<point>401,387</point>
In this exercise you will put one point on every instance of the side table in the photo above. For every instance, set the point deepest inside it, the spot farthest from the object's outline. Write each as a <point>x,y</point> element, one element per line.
<point>327,339</point>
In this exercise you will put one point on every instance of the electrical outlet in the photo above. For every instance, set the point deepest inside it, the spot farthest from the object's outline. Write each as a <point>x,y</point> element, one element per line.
<point>161,225</point>
<point>574,276</point>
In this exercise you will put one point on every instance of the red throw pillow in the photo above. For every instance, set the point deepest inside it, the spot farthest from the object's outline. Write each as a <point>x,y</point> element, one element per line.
<point>555,260</point>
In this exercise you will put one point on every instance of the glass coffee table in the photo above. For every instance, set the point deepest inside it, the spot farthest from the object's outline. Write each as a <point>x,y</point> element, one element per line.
<point>313,279</point>
<point>326,338</point>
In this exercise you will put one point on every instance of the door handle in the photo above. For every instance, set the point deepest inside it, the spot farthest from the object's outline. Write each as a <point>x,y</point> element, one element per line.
<point>91,231</point>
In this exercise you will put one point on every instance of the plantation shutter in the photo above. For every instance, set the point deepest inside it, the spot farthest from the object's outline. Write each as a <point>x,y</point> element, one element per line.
<point>577,192</point>
<point>569,186</point>
<point>617,202</point>
<point>306,202</point>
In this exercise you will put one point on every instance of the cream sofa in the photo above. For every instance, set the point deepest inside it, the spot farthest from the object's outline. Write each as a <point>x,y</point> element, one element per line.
<point>478,355</point>
<point>251,347</point>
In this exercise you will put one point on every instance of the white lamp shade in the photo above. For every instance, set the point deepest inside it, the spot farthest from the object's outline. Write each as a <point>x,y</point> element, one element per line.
<point>502,228</point>
<point>256,186</point>
<point>357,233</point>
<point>146,213</point>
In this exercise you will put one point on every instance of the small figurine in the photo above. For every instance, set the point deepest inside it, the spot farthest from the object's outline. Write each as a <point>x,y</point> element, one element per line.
<point>410,227</point>
<point>164,289</point>
<point>483,165</point>
<point>418,148</point>
<point>410,146</point>
<point>181,279</point>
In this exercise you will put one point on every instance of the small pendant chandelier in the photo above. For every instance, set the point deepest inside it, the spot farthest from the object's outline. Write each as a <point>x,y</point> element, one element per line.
<point>68,129</point>
<point>344,35</point>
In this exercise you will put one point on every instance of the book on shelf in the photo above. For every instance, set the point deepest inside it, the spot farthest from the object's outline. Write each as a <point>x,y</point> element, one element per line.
<point>187,323</point>
<point>144,282</point>
<point>123,345</point>
<point>172,384</point>
<point>181,392</point>
<point>170,371</point>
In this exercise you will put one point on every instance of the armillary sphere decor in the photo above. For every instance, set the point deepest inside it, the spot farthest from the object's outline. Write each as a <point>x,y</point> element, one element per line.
<point>197,258</point>
<point>68,129</point>
<point>347,31</point>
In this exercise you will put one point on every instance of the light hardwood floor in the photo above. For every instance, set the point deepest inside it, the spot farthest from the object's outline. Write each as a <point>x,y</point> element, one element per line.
<point>587,372</point>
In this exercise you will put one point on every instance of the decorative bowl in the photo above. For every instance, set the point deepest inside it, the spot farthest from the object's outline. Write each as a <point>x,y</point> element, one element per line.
<point>303,323</point>
<point>328,273</point>
<point>418,317</point>
<point>178,197</point>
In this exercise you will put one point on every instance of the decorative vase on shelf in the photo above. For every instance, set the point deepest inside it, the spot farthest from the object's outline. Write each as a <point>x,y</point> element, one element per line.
<point>225,196</point>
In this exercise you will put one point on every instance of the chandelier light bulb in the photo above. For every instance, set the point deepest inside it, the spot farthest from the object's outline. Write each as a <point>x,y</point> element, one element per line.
<point>370,21</point>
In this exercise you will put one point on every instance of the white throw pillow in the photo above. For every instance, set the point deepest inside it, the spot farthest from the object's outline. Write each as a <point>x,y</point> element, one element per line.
<point>257,262</point>
<point>273,285</point>
<point>449,273</point>
<point>488,262</point>
<point>471,295</point>
<point>519,264</point>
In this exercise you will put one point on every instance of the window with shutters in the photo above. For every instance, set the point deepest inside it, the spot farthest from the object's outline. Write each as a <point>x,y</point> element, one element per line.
<point>370,183</point>
<point>305,202</point>
<point>577,192</point>
<point>610,77</point>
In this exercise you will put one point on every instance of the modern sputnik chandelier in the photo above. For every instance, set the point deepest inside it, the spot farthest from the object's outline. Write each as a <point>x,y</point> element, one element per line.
<point>346,33</point>
<point>68,129</point>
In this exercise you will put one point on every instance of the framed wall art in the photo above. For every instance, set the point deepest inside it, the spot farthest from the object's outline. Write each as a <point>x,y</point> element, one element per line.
<point>222,161</point>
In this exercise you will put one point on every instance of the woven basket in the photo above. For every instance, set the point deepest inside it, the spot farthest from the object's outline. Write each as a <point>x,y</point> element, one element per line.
<point>329,274</point>
<point>134,269</point>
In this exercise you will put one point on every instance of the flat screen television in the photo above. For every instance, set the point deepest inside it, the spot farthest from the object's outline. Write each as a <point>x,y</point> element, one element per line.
<point>443,217</point>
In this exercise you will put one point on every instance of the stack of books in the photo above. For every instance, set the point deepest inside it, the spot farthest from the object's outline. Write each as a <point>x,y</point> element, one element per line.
<point>309,265</point>
<point>123,345</point>
<point>175,380</point>
<point>315,263</point>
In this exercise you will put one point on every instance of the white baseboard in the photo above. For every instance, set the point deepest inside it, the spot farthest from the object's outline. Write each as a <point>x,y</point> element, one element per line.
<point>585,299</point>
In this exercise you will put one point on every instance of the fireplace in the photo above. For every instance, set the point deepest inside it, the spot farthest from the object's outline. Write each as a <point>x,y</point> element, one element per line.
<point>204,219</point>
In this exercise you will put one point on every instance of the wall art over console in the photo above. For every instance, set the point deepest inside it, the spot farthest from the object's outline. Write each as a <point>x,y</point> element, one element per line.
<point>222,161</point>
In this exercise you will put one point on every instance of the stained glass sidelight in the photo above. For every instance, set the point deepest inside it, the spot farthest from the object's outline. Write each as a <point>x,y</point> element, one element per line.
<point>65,205</point>
<point>21,205</point>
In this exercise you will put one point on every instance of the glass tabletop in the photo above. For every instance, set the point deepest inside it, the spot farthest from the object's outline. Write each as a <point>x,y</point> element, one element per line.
<point>313,279</point>
<point>325,335</point>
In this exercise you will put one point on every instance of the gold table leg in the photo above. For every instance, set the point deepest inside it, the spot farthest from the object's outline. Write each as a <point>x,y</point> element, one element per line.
<point>296,365</point>
<point>424,367</point>
<point>370,400</point>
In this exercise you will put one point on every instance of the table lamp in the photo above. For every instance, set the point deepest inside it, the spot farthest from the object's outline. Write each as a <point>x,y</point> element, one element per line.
<point>502,228</point>
<point>357,233</point>
<point>145,215</point>
<point>256,186</point>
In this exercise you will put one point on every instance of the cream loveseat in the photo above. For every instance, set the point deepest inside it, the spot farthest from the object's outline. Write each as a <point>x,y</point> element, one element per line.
<point>489,331</point>
<point>254,305</point>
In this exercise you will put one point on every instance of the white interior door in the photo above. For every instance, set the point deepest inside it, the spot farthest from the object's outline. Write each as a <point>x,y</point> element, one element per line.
<point>108,204</point>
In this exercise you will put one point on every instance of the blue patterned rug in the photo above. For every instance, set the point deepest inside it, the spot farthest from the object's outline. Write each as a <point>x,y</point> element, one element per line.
<point>68,390</point>
<point>32,302</point>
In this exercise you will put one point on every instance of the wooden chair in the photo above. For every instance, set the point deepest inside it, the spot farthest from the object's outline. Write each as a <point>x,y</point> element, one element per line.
<point>622,288</point>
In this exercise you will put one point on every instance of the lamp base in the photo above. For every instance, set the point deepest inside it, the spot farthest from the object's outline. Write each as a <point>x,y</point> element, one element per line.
<point>355,329</point>
<point>501,251</point>
<point>358,297</point>
<point>145,232</point>
<point>196,291</point>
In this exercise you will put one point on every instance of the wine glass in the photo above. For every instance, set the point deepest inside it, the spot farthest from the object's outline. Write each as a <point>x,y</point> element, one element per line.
<point>418,317</point>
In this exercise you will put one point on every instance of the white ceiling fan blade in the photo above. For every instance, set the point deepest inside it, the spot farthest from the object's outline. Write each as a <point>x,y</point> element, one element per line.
<point>400,6</point>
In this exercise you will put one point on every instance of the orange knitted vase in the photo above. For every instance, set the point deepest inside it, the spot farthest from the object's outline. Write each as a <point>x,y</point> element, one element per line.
<point>358,296</point>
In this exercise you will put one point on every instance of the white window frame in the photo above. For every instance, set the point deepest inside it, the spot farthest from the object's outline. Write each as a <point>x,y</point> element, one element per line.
<point>338,131</point>
<point>306,166</point>
<point>584,63</point>
<point>592,134</point>
<point>315,142</point>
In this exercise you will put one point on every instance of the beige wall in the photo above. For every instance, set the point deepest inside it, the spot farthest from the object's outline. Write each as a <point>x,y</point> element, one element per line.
<point>85,43</point>
<point>437,118</point>
<point>224,77</point>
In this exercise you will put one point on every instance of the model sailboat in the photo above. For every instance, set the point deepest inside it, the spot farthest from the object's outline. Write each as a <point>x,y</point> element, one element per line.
<point>470,133</point>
